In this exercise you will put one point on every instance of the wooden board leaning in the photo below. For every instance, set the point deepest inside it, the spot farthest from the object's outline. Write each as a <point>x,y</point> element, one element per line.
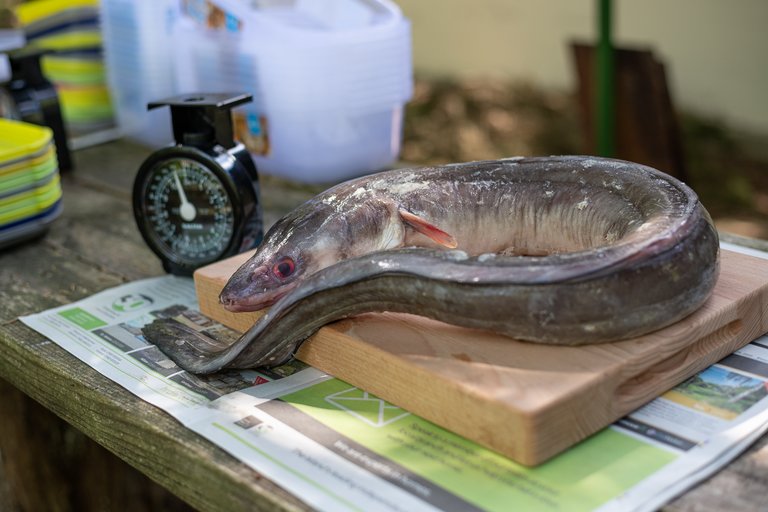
<point>524,400</point>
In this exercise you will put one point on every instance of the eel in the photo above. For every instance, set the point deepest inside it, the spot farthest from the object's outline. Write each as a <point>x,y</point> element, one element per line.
<point>563,250</point>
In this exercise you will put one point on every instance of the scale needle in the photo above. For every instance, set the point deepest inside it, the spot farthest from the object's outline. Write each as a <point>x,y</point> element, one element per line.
<point>187,209</point>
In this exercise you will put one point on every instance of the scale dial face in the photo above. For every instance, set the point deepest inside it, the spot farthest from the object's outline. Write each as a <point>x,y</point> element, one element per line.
<point>188,214</point>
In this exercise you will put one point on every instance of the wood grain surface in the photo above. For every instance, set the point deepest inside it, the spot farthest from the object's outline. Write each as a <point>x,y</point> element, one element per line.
<point>550,397</point>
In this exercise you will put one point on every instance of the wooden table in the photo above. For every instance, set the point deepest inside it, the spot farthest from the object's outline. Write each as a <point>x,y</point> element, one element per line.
<point>50,464</point>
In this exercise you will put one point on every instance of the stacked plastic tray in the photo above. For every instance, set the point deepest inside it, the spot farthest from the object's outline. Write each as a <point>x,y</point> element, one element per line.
<point>70,29</point>
<point>30,192</point>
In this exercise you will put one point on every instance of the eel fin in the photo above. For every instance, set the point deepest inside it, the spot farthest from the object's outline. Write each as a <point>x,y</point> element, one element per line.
<point>428,229</point>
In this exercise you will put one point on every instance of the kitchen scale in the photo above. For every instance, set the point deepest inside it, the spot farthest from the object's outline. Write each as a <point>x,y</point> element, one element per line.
<point>197,201</point>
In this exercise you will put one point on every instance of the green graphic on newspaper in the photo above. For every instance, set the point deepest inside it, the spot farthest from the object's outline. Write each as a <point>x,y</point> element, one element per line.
<point>82,318</point>
<point>366,407</point>
<point>131,302</point>
<point>584,477</point>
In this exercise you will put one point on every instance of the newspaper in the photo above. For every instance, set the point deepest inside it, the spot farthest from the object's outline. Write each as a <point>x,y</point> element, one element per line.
<point>341,448</point>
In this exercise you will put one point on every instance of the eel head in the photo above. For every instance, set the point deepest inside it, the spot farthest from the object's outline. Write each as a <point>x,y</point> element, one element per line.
<point>287,254</point>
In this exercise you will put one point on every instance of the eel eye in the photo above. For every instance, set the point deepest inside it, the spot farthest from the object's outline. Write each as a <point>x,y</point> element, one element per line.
<point>284,267</point>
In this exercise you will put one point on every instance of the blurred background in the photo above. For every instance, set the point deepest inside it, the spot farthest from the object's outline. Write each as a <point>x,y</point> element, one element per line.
<point>435,81</point>
<point>500,78</point>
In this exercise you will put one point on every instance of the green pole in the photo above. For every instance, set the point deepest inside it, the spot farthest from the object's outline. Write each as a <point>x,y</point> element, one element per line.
<point>605,94</point>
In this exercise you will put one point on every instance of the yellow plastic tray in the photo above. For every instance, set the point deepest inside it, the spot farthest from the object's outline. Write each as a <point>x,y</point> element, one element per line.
<point>75,71</point>
<point>29,12</point>
<point>70,41</point>
<point>30,203</point>
<point>32,176</point>
<point>47,155</point>
<point>19,140</point>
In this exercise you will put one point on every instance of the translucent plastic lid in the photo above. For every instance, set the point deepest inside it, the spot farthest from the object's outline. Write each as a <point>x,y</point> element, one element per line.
<point>348,20</point>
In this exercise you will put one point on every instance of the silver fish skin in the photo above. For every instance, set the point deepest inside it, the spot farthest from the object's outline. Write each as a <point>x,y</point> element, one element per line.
<point>558,250</point>
<point>517,206</point>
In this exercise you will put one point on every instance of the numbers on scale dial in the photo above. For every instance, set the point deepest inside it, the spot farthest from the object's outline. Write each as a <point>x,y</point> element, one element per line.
<point>189,210</point>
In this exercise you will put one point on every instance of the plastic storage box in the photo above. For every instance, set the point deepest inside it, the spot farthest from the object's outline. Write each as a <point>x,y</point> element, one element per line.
<point>329,78</point>
<point>138,53</point>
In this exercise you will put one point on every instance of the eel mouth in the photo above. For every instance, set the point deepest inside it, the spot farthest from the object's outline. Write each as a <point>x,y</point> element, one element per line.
<point>252,288</point>
<point>237,303</point>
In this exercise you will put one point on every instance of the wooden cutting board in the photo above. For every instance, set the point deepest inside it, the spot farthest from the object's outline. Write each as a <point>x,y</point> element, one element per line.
<point>526,401</point>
